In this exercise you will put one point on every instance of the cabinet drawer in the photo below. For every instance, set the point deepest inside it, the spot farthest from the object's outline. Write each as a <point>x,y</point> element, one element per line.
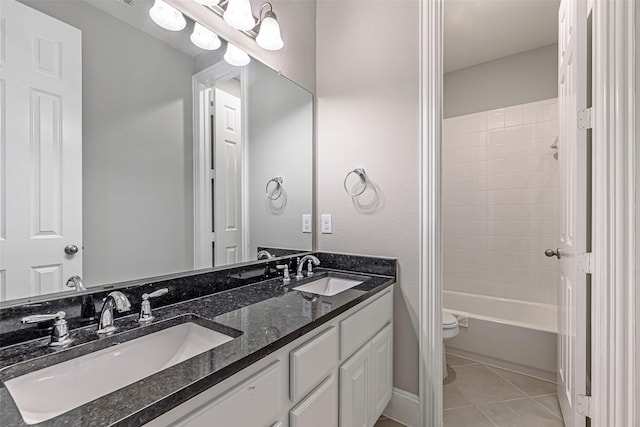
<point>362,325</point>
<point>254,403</point>
<point>320,409</point>
<point>312,361</point>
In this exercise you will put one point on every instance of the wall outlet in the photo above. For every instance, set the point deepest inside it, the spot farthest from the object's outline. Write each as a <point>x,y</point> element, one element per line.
<point>307,223</point>
<point>326,224</point>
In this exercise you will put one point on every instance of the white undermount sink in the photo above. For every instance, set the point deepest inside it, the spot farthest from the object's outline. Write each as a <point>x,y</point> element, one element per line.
<point>52,391</point>
<point>328,286</point>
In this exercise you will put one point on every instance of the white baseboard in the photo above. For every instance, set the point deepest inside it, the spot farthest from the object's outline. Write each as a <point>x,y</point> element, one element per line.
<point>404,408</point>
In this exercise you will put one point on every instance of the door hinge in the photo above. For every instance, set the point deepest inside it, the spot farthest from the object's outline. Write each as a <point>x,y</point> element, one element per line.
<point>583,405</point>
<point>212,109</point>
<point>585,120</point>
<point>585,262</point>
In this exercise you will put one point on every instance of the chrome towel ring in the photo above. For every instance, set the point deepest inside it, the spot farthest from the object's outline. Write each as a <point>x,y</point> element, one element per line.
<point>363,178</point>
<point>276,191</point>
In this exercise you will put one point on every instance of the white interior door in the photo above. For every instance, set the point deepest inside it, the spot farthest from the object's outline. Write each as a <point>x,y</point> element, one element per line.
<point>41,151</point>
<point>227,205</point>
<point>573,157</point>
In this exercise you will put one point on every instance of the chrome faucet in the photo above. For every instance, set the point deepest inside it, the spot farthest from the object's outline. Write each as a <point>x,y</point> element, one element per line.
<point>76,282</point>
<point>60,330</point>
<point>117,300</point>
<point>88,308</point>
<point>264,254</point>
<point>311,260</point>
<point>145,307</point>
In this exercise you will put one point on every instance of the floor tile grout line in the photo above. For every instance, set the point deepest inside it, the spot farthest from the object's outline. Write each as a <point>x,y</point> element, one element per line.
<point>548,410</point>
<point>512,384</point>
<point>458,407</point>
<point>487,416</point>
<point>519,373</point>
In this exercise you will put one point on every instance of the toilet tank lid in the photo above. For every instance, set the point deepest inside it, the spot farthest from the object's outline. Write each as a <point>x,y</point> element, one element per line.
<point>448,319</point>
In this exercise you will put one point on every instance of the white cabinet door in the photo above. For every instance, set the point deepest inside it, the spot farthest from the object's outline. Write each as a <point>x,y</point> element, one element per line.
<point>366,381</point>
<point>320,408</point>
<point>355,382</point>
<point>254,403</point>
<point>381,371</point>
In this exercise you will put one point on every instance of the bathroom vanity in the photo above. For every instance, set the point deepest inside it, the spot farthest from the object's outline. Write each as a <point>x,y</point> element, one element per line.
<point>277,356</point>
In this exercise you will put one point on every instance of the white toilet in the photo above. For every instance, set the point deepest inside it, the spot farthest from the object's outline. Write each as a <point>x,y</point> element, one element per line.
<point>450,330</point>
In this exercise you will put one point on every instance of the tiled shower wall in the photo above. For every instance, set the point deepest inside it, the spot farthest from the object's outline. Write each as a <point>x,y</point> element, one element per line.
<point>501,205</point>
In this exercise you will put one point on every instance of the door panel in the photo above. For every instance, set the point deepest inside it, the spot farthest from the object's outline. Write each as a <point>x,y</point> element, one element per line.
<point>381,371</point>
<point>573,157</point>
<point>355,384</point>
<point>40,152</point>
<point>227,210</point>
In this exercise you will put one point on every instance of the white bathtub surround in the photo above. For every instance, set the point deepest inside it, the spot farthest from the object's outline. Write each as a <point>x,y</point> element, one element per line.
<point>501,202</point>
<point>515,335</point>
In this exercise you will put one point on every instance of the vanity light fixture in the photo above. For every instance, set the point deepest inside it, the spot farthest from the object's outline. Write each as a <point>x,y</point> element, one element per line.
<point>204,38</point>
<point>269,35</point>
<point>167,16</point>
<point>239,16</point>
<point>236,56</point>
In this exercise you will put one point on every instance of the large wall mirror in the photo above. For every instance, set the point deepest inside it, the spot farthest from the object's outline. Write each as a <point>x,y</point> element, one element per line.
<point>127,152</point>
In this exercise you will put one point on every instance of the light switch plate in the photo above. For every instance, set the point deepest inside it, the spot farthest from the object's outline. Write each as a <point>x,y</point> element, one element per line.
<point>326,224</point>
<point>306,223</point>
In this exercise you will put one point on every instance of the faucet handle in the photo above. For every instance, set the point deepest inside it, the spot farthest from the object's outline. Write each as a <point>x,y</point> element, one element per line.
<point>285,279</point>
<point>154,294</point>
<point>60,331</point>
<point>37,318</point>
<point>145,308</point>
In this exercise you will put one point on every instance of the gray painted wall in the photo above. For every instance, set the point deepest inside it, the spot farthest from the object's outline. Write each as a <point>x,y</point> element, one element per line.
<point>137,149</point>
<point>516,79</point>
<point>280,142</point>
<point>367,116</point>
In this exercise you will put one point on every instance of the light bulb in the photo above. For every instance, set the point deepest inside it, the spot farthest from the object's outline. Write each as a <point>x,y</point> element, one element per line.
<point>167,17</point>
<point>208,2</point>
<point>204,38</point>
<point>235,56</point>
<point>239,16</point>
<point>269,36</point>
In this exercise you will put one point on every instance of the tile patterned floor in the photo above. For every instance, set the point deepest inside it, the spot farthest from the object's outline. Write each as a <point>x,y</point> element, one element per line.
<point>479,395</point>
<point>386,422</point>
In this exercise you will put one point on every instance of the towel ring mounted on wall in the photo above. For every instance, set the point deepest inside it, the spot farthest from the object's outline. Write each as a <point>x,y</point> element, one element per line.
<point>272,195</point>
<point>363,178</point>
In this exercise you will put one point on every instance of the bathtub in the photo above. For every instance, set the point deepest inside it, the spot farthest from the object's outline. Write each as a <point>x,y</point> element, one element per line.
<point>515,335</point>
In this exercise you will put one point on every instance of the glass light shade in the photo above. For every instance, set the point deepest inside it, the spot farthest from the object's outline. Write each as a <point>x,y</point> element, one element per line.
<point>239,16</point>
<point>235,56</point>
<point>269,36</point>
<point>167,17</point>
<point>208,2</point>
<point>204,38</point>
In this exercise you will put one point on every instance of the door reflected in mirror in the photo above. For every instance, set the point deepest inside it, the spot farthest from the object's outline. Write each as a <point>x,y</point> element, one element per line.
<point>148,154</point>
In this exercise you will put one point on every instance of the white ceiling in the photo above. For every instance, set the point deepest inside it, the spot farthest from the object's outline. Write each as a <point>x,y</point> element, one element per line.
<point>477,31</point>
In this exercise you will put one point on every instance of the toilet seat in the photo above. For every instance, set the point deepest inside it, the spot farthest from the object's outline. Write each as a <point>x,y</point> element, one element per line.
<point>449,326</point>
<point>449,321</point>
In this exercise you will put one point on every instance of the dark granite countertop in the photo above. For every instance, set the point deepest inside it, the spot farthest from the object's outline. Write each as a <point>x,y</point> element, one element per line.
<point>263,317</point>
